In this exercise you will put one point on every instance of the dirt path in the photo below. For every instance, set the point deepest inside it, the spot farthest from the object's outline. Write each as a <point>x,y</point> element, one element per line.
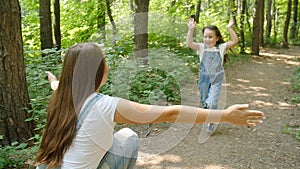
<point>264,83</point>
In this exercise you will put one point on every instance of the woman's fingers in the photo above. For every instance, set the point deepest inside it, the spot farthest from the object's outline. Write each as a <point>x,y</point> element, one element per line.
<point>254,117</point>
<point>253,122</point>
<point>51,77</point>
<point>256,113</point>
<point>241,106</point>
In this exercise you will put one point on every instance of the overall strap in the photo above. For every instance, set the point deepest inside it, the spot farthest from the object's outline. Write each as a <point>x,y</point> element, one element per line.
<point>84,111</point>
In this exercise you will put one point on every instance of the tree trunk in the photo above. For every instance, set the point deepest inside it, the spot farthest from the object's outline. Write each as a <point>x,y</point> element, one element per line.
<point>45,25</point>
<point>141,31</point>
<point>111,19</point>
<point>261,22</point>
<point>242,21</point>
<point>57,33</point>
<point>130,3</point>
<point>198,10</point>
<point>269,21</point>
<point>101,19</point>
<point>286,25</point>
<point>256,29</point>
<point>276,20</point>
<point>295,20</point>
<point>14,99</point>
<point>248,17</point>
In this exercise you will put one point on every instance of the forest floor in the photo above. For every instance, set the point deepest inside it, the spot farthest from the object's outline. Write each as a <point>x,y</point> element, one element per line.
<point>265,83</point>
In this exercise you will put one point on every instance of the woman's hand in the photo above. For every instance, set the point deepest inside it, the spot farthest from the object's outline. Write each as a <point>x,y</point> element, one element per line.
<point>52,80</point>
<point>239,114</point>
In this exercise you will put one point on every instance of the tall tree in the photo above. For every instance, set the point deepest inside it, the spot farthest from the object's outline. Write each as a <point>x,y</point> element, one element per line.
<point>286,25</point>
<point>14,98</point>
<point>276,19</point>
<point>256,28</point>
<point>45,25</point>
<point>261,22</point>
<point>141,31</point>
<point>101,18</point>
<point>242,21</point>
<point>269,21</point>
<point>57,33</point>
<point>198,10</point>
<point>109,14</point>
<point>294,20</point>
<point>130,4</point>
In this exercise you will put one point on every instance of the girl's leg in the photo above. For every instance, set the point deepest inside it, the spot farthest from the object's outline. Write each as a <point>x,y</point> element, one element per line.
<point>124,151</point>
<point>204,85</point>
<point>213,95</point>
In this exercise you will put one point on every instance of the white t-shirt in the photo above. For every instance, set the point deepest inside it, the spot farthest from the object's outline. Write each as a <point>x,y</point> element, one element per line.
<point>95,137</point>
<point>222,49</point>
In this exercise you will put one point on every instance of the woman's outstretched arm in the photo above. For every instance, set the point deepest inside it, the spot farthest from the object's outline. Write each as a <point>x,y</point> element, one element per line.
<point>136,113</point>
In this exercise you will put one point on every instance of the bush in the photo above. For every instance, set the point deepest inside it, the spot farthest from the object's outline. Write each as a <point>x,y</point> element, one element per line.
<point>16,155</point>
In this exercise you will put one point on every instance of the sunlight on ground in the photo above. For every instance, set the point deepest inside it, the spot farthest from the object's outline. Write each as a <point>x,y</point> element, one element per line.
<point>158,159</point>
<point>283,105</point>
<point>262,94</point>
<point>257,88</point>
<point>290,56</point>
<point>155,161</point>
<point>260,103</point>
<point>243,80</point>
<point>215,167</point>
<point>285,56</point>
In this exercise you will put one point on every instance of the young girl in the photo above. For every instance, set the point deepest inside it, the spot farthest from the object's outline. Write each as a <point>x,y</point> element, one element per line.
<point>76,138</point>
<point>211,72</point>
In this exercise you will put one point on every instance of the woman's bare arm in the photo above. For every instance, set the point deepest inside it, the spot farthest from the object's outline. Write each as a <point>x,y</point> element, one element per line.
<point>136,113</point>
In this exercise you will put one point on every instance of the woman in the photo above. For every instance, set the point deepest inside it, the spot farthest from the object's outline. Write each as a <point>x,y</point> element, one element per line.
<point>72,142</point>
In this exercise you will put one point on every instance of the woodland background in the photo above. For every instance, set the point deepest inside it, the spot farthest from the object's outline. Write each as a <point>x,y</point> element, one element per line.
<point>34,35</point>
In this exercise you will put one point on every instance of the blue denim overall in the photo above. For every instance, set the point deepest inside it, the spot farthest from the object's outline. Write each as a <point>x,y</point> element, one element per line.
<point>211,75</point>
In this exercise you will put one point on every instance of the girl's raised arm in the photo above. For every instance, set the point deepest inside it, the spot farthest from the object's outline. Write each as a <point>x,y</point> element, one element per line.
<point>189,37</point>
<point>234,39</point>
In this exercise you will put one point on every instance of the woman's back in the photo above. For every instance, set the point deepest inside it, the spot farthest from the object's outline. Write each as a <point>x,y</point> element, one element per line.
<point>95,135</point>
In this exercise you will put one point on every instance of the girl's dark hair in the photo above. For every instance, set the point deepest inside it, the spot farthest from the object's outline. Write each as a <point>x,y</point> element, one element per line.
<point>219,35</point>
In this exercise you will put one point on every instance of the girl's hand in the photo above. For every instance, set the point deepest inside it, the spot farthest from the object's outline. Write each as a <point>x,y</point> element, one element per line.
<point>231,22</point>
<point>191,24</point>
<point>240,115</point>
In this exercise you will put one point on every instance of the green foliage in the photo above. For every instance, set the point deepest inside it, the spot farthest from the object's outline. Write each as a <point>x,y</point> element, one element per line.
<point>295,99</point>
<point>292,131</point>
<point>298,133</point>
<point>154,84</point>
<point>16,155</point>
<point>30,24</point>
<point>296,86</point>
<point>161,81</point>
<point>38,85</point>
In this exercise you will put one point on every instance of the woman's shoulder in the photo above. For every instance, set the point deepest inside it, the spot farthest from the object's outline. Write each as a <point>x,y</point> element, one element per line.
<point>107,99</point>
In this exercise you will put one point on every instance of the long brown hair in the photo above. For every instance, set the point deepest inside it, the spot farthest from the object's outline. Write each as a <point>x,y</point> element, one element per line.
<point>81,75</point>
<point>219,35</point>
